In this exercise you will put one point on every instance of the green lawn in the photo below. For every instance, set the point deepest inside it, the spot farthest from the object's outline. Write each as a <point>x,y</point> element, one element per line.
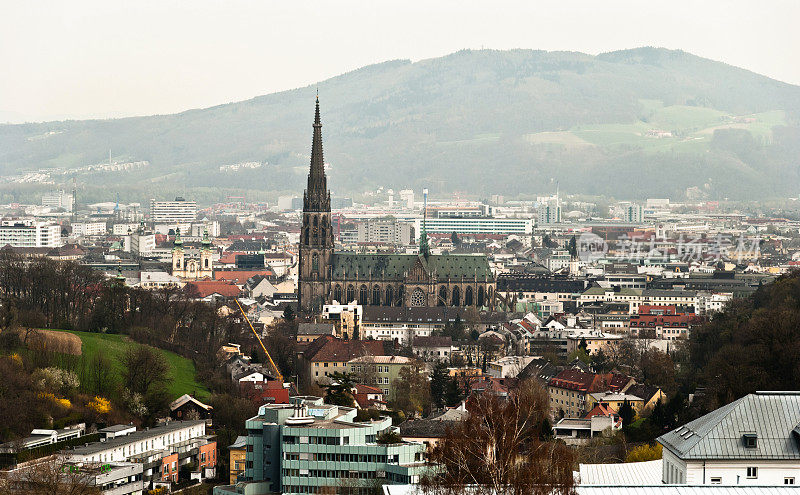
<point>182,372</point>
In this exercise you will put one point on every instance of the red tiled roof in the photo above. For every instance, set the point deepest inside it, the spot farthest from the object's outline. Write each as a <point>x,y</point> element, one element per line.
<point>330,349</point>
<point>366,389</point>
<point>205,288</point>
<point>574,379</point>
<point>599,410</point>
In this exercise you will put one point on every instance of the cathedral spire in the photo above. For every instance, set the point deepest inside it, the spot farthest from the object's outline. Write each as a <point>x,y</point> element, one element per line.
<point>317,197</point>
<point>423,236</point>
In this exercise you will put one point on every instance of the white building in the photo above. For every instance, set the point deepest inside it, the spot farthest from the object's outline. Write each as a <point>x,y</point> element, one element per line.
<point>86,229</point>
<point>508,366</point>
<point>752,441</point>
<point>29,233</point>
<point>407,197</point>
<point>122,448</point>
<point>384,231</point>
<point>173,212</point>
<point>633,213</point>
<point>57,199</point>
<point>489,225</point>
<point>549,214</point>
<point>158,280</point>
<point>124,228</point>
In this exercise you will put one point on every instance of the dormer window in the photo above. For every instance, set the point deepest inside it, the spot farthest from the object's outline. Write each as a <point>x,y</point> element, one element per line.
<point>750,440</point>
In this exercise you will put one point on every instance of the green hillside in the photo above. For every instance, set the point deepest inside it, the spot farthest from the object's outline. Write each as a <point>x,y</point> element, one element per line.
<point>633,123</point>
<point>182,371</point>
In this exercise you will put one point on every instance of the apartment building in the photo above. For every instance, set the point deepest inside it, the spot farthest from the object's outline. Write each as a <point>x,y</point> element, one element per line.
<point>172,444</point>
<point>86,229</point>
<point>569,390</point>
<point>179,211</point>
<point>382,371</point>
<point>385,231</point>
<point>490,225</point>
<point>30,233</point>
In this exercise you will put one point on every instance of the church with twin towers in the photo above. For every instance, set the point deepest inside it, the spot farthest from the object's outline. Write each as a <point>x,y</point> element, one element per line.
<point>403,280</point>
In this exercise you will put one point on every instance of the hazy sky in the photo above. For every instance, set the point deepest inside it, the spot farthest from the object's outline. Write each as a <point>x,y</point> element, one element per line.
<point>111,58</point>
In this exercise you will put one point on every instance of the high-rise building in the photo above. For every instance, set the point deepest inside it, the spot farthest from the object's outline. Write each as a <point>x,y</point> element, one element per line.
<point>29,233</point>
<point>633,213</point>
<point>312,447</point>
<point>173,212</point>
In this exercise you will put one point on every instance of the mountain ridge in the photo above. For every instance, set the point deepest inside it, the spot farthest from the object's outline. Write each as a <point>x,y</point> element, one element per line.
<point>485,121</point>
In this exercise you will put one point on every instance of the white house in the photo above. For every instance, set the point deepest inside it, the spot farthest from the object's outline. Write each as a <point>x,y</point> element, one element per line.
<point>752,441</point>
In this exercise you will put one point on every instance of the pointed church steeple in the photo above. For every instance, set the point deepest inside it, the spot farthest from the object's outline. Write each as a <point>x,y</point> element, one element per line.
<point>317,197</point>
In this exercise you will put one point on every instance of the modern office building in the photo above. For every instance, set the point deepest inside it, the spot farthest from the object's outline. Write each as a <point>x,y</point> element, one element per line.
<point>29,233</point>
<point>173,212</point>
<point>312,447</point>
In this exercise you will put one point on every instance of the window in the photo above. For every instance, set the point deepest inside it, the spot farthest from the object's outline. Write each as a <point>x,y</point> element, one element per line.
<point>752,472</point>
<point>418,298</point>
<point>788,481</point>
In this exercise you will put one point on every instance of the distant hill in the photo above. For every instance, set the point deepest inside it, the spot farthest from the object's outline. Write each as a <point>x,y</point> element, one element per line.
<point>632,124</point>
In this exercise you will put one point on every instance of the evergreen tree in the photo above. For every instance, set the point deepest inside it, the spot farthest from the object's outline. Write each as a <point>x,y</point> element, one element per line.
<point>288,313</point>
<point>339,390</point>
<point>439,383</point>
<point>626,413</point>
<point>453,393</point>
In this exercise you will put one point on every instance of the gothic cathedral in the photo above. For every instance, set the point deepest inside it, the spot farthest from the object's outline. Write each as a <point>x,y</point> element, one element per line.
<point>405,280</point>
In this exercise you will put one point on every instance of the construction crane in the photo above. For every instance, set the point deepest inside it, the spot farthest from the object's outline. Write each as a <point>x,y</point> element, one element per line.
<point>266,353</point>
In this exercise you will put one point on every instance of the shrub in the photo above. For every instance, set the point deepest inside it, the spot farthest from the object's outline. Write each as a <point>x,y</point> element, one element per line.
<point>99,405</point>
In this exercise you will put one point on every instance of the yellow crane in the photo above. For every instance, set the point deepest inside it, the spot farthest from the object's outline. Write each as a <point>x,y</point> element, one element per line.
<point>266,353</point>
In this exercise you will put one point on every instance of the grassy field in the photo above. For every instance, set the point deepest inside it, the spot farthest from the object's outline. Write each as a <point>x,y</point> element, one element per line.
<point>182,372</point>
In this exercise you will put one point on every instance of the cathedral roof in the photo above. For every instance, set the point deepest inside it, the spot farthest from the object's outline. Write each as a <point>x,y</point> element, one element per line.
<point>398,266</point>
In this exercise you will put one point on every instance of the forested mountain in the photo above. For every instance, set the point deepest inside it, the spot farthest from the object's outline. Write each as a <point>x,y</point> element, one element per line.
<point>632,124</point>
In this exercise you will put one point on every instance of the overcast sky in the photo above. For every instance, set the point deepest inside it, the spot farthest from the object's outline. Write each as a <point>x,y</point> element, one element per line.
<point>112,58</point>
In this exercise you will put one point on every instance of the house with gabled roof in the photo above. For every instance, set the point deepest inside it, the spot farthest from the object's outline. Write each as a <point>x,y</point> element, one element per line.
<point>753,441</point>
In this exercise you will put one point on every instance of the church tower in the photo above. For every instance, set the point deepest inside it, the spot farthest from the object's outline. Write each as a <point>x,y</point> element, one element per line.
<point>316,235</point>
<point>178,261</point>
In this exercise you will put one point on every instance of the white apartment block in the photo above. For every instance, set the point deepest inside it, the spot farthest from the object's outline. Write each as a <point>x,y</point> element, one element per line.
<point>173,212</point>
<point>522,226</point>
<point>124,228</point>
<point>88,229</point>
<point>121,448</point>
<point>30,233</point>
<point>384,231</point>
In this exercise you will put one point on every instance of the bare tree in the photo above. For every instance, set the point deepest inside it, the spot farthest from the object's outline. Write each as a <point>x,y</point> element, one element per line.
<point>503,447</point>
<point>49,476</point>
<point>144,367</point>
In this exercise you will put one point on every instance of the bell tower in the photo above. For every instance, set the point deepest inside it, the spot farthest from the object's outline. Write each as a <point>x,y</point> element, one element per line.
<point>316,235</point>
